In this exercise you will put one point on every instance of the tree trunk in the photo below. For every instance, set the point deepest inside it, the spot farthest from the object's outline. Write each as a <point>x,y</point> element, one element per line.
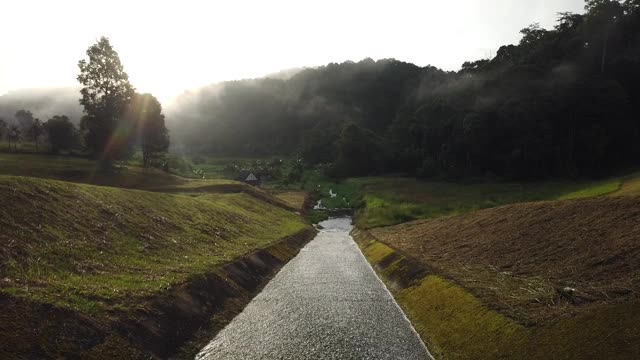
<point>572,145</point>
<point>604,51</point>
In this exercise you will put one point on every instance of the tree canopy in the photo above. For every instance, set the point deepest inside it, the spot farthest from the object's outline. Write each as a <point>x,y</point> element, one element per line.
<point>117,118</point>
<point>146,112</point>
<point>62,133</point>
<point>105,94</point>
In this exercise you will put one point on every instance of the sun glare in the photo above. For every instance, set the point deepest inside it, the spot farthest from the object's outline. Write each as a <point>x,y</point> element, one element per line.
<point>169,47</point>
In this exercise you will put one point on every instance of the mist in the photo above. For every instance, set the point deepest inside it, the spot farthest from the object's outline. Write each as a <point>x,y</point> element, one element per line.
<point>44,103</point>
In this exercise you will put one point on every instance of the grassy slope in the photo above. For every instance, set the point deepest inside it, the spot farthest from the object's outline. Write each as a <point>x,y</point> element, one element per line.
<point>77,169</point>
<point>81,170</point>
<point>457,325</point>
<point>295,199</point>
<point>491,290</point>
<point>93,248</point>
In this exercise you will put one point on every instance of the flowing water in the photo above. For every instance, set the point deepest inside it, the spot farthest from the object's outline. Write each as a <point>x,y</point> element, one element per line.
<point>326,303</point>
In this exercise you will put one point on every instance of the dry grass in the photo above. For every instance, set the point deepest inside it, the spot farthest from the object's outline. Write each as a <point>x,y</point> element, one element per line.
<point>295,199</point>
<point>516,257</point>
<point>456,324</point>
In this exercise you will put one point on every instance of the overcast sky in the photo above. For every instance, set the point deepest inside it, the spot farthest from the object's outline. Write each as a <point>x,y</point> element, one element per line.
<point>169,46</point>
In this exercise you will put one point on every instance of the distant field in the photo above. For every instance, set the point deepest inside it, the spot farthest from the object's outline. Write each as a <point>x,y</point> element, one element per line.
<point>393,200</point>
<point>384,201</point>
<point>211,166</point>
<point>78,169</point>
<point>82,170</point>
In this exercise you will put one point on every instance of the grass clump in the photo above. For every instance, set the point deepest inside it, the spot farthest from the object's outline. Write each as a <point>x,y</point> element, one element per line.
<point>456,325</point>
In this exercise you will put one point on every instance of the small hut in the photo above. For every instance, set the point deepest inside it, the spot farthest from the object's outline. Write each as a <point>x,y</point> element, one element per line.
<point>252,180</point>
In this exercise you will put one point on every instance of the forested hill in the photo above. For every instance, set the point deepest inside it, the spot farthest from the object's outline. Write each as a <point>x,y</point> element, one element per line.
<point>562,102</point>
<point>305,113</point>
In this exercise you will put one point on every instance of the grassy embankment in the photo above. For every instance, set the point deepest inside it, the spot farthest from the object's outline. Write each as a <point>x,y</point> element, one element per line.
<point>106,254</point>
<point>457,324</point>
<point>542,280</point>
<point>84,247</point>
<point>82,170</point>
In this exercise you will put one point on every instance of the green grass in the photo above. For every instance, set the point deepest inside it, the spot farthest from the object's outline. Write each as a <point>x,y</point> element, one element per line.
<point>79,169</point>
<point>348,191</point>
<point>592,190</point>
<point>82,170</point>
<point>630,185</point>
<point>92,248</point>
<point>388,201</point>
<point>384,201</point>
<point>211,166</point>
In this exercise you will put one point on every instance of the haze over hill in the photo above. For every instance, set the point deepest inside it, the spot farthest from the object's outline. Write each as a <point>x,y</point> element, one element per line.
<point>209,42</point>
<point>562,102</point>
<point>44,103</point>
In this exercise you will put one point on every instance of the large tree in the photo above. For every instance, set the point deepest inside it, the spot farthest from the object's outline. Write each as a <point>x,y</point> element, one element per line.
<point>62,133</point>
<point>3,128</point>
<point>13,136</point>
<point>106,93</point>
<point>35,131</point>
<point>25,120</point>
<point>145,112</point>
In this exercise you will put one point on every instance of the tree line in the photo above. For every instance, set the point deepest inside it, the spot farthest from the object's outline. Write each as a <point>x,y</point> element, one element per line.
<point>563,102</point>
<point>59,132</point>
<point>116,120</point>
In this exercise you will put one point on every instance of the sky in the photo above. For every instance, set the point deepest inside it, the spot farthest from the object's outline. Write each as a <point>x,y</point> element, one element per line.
<point>168,47</point>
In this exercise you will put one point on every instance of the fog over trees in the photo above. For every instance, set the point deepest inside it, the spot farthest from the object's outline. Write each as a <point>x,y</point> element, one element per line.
<point>562,102</point>
<point>42,103</point>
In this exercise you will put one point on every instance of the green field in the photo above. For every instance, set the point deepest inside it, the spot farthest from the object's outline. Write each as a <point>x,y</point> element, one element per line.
<point>384,201</point>
<point>208,166</point>
<point>80,169</point>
